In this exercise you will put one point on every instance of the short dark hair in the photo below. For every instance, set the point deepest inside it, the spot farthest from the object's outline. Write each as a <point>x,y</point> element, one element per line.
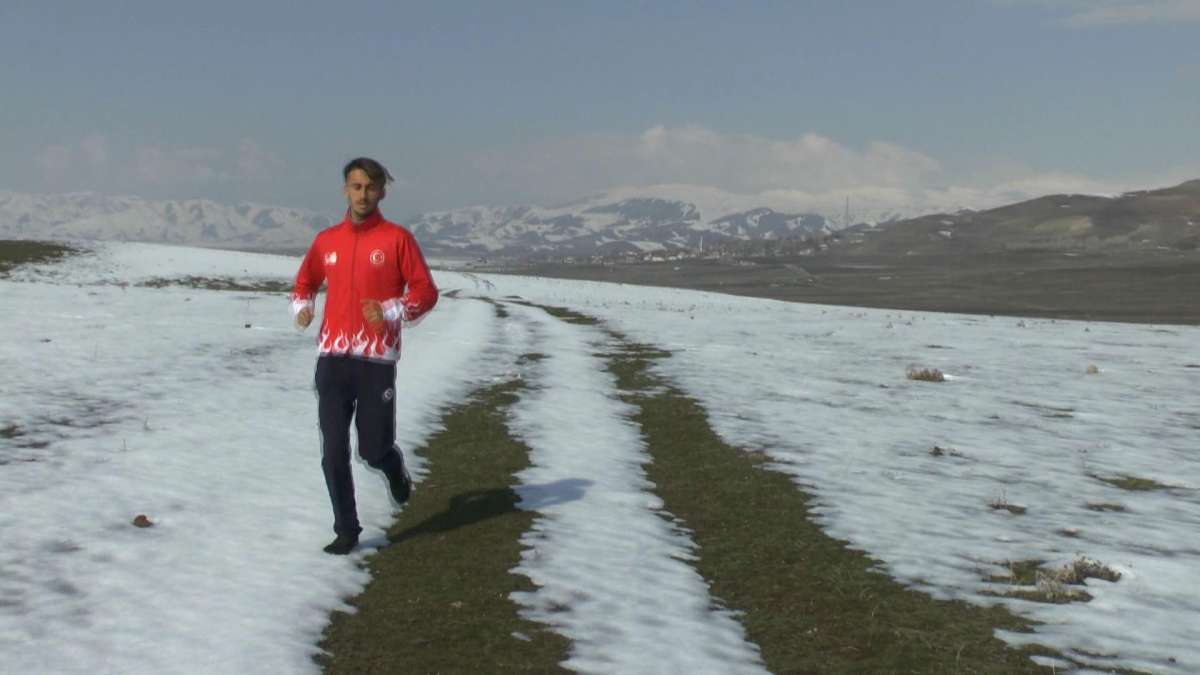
<point>372,168</point>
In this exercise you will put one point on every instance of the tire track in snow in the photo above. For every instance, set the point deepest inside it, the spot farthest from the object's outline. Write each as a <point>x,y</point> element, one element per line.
<point>807,601</point>
<point>612,573</point>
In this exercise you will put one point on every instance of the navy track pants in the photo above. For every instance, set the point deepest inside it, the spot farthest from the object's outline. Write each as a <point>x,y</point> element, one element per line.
<point>365,390</point>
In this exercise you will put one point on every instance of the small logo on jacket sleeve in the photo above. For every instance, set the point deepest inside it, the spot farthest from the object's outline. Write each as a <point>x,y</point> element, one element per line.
<point>331,259</point>
<point>377,258</point>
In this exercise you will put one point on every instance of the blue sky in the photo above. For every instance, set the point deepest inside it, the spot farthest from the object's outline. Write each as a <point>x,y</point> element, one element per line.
<point>515,102</point>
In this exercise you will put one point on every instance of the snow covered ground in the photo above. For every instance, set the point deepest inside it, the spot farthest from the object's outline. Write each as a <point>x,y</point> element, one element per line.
<point>121,400</point>
<point>822,390</point>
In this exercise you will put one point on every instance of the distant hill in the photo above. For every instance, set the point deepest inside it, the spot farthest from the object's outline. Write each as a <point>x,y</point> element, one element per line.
<point>657,218</point>
<point>607,224</point>
<point>198,222</point>
<point>666,217</point>
<point>651,218</point>
<point>1167,218</point>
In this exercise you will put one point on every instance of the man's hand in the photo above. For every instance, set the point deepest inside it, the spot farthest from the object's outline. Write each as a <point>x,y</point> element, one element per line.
<point>304,317</point>
<point>373,313</point>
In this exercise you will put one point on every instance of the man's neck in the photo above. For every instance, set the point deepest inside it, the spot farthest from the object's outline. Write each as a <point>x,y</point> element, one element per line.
<point>356,220</point>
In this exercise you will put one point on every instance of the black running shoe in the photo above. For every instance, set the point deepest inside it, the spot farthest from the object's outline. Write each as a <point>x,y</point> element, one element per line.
<point>400,484</point>
<point>342,545</point>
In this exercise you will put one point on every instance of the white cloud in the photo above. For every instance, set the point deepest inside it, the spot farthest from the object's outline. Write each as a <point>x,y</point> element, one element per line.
<point>64,163</point>
<point>94,149</point>
<point>1107,12</point>
<point>169,166</point>
<point>97,163</point>
<point>807,173</point>
<point>873,201</point>
<point>696,155</point>
<point>55,161</point>
<point>255,162</point>
<point>1141,11</point>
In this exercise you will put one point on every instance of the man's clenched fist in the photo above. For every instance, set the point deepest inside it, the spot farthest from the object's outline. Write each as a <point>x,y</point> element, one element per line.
<point>373,313</point>
<point>304,317</point>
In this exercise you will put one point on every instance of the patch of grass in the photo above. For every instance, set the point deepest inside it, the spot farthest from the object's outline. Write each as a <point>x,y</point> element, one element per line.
<point>1001,503</point>
<point>14,253</point>
<point>926,375</point>
<point>570,316</point>
<point>1054,595</point>
<point>1020,572</point>
<point>811,603</point>
<point>221,284</point>
<point>1106,506</point>
<point>1082,568</point>
<point>1132,483</point>
<point>439,596</point>
<point>938,451</point>
<point>501,311</point>
<point>18,438</point>
<point>1048,410</point>
<point>1033,582</point>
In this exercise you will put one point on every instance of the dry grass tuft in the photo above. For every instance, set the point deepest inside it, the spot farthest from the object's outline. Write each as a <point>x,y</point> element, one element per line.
<point>1132,483</point>
<point>1020,572</point>
<point>1082,568</point>
<point>1030,581</point>
<point>926,375</point>
<point>1001,503</point>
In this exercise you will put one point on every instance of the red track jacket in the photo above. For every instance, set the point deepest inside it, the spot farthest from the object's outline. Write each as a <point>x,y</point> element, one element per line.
<point>374,260</point>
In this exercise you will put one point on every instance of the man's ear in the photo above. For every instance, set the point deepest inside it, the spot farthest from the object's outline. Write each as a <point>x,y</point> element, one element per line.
<point>382,193</point>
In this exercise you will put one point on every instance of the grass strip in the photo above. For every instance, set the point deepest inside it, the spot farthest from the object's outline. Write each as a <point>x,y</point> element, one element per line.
<point>221,284</point>
<point>1132,483</point>
<point>810,602</point>
<point>14,253</point>
<point>439,596</point>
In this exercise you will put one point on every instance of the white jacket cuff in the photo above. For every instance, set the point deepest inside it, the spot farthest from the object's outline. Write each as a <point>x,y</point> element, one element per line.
<point>299,304</point>
<point>393,310</point>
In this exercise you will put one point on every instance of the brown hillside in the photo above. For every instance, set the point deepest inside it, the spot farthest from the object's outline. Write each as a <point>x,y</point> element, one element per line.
<point>1156,219</point>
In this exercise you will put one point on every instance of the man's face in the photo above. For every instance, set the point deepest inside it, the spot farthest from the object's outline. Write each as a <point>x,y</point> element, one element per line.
<point>362,195</point>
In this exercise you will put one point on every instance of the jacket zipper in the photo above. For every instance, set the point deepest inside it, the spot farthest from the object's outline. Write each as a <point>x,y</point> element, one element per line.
<point>353,259</point>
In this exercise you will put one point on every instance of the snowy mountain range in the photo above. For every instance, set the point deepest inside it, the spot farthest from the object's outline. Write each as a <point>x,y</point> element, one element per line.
<point>628,219</point>
<point>614,222</point>
<point>86,215</point>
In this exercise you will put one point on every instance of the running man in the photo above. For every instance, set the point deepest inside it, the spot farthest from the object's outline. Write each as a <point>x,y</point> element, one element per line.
<point>378,280</point>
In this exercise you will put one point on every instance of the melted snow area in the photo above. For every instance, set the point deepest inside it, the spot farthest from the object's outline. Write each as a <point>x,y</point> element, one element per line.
<point>195,408</point>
